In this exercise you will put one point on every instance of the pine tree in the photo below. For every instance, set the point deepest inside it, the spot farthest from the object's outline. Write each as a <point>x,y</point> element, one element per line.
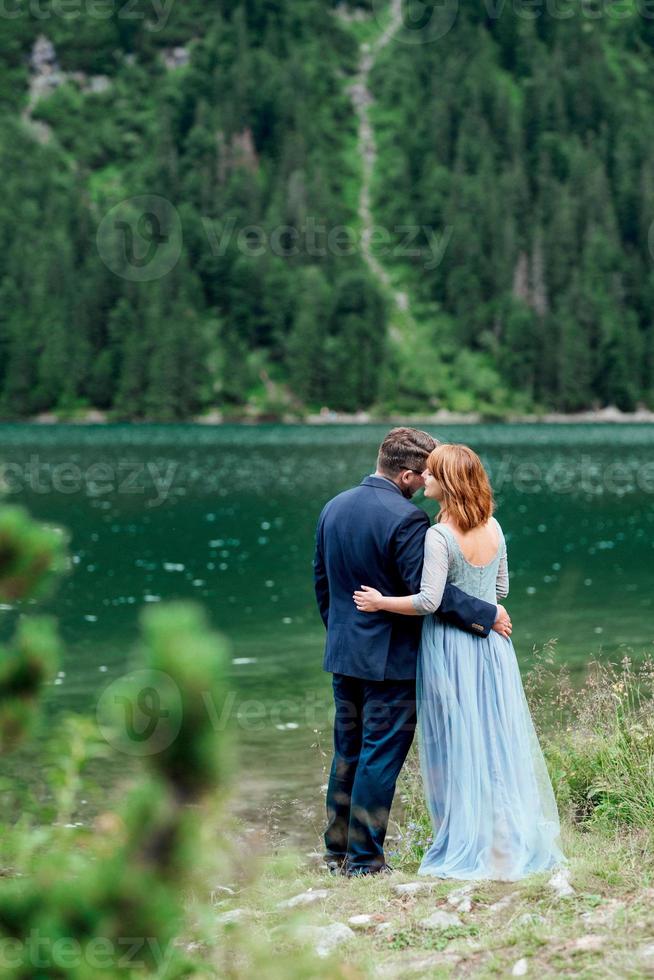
<point>305,350</point>
<point>126,332</point>
<point>354,348</point>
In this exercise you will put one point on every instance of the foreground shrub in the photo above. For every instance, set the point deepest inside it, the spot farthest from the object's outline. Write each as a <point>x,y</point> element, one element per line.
<point>599,742</point>
<point>131,894</point>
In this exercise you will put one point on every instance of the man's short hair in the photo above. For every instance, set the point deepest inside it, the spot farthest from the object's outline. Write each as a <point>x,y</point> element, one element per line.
<point>404,449</point>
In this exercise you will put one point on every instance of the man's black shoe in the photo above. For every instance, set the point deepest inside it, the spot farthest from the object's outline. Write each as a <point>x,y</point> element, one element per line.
<point>336,866</point>
<point>382,869</point>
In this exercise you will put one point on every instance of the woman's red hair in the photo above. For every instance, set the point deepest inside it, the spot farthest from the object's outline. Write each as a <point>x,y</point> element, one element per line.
<point>467,494</point>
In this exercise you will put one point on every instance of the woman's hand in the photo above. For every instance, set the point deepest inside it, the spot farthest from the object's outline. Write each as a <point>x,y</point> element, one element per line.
<point>368,600</point>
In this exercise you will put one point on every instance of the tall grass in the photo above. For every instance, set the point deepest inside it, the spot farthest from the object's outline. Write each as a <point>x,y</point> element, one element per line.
<point>598,741</point>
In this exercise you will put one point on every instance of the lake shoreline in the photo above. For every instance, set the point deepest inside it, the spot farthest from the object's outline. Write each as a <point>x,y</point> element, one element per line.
<point>606,415</point>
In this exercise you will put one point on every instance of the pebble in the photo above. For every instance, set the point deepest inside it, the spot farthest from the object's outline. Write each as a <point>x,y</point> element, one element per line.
<point>413,888</point>
<point>232,917</point>
<point>520,968</point>
<point>530,919</point>
<point>327,938</point>
<point>587,944</point>
<point>420,964</point>
<point>361,921</point>
<point>440,920</point>
<point>224,888</point>
<point>460,898</point>
<point>304,898</point>
<point>560,883</point>
<point>503,903</point>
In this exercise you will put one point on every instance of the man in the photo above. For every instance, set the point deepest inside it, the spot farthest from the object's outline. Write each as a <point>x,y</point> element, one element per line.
<point>374,534</point>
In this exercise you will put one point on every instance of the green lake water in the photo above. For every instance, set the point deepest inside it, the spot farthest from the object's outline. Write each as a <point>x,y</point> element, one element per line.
<point>226,515</point>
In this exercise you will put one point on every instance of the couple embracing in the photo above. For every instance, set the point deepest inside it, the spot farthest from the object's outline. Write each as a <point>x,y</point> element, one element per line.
<point>416,638</point>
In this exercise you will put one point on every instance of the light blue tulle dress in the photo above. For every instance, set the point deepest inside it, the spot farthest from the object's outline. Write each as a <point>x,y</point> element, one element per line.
<point>486,784</point>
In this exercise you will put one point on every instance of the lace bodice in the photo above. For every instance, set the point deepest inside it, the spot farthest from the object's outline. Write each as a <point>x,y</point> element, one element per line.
<point>445,563</point>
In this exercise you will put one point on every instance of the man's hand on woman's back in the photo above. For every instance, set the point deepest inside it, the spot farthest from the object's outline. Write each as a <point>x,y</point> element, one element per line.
<point>502,624</point>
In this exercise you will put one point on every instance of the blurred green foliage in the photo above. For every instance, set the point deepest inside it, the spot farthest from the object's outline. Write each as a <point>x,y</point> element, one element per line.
<point>32,557</point>
<point>117,911</point>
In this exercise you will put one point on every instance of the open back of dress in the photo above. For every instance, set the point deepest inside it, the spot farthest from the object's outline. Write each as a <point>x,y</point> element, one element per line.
<point>486,783</point>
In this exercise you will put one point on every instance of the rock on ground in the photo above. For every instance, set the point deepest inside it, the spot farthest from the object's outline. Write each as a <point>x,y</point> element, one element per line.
<point>309,897</point>
<point>361,921</point>
<point>413,888</point>
<point>440,920</point>
<point>233,916</point>
<point>460,898</point>
<point>560,884</point>
<point>530,919</point>
<point>327,938</point>
<point>503,903</point>
<point>588,944</point>
<point>418,963</point>
<point>520,968</point>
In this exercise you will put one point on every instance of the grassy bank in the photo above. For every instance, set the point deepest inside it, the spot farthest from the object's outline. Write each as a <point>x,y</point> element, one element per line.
<point>595,920</point>
<point>208,898</point>
<point>236,926</point>
<point>251,908</point>
<point>604,928</point>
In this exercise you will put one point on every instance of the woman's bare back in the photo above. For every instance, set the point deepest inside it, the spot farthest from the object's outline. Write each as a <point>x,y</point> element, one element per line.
<point>479,546</point>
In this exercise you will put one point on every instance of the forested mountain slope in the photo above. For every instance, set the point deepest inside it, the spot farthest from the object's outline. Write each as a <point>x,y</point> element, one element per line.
<point>254,131</point>
<point>529,137</point>
<point>226,132</point>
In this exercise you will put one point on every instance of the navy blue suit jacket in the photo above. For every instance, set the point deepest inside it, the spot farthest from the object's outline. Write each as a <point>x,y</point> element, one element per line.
<point>372,535</point>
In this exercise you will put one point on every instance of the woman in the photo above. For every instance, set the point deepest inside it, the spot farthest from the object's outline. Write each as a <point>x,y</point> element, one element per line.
<point>486,783</point>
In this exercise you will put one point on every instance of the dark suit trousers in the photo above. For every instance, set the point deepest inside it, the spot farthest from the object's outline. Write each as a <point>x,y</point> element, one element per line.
<point>373,729</point>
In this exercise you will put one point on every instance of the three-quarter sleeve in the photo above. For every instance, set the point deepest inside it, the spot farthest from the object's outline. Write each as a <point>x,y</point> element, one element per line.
<point>434,574</point>
<point>502,582</point>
